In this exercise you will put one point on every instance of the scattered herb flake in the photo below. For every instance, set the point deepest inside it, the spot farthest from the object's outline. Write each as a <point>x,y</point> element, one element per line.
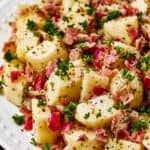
<point>90,11</point>
<point>84,25</point>
<point>8,56</point>
<point>138,125</point>
<point>87,58</point>
<point>33,142</point>
<point>46,147</point>
<point>98,114</point>
<point>81,45</point>
<point>31,25</point>
<point>18,119</point>
<point>126,74</point>
<point>86,116</point>
<point>2,83</point>
<point>41,102</point>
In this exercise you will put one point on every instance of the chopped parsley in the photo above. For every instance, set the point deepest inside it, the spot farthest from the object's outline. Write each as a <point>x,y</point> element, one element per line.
<point>63,68</point>
<point>86,116</point>
<point>36,34</point>
<point>31,25</point>
<point>1,84</point>
<point>8,56</point>
<point>120,105</point>
<point>71,25</point>
<point>144,109</point>
<point>125,74</point>
<point>26,90</point>
<point>41,102</point>
<point>98,114</point>
<point>144,63</point>
<point>51,29</point>
<point>66,19</point>
<point>90,11</point>
<point>81,45</point>
<point>84,25</point>
<point>87,58</point>
<point>124,53</point>
<point>52,85</point>
<point>69,111</point>
<point>107,42</point>
<point>138,125</point>
<point>113,14</point>
<point>46,147</point>
<point>18,119</point>
<point>139,15</point>
<point>33,142</point>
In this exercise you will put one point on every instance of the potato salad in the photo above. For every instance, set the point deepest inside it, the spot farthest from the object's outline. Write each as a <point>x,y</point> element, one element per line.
<point>79,72</point>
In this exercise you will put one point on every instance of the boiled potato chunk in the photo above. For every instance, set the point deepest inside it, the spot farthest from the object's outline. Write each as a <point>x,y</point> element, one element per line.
<point>39,56</point>
<point>42,133</point>
<point>25,40</point>
<point>61,91</point>
<point>146,27</point>
<point>72,140</point>
<point>13,90</point>
<point>90,80</point>
<point>114,144</point>
<point>121,26</point>
<point>124,86</point>
<point>141,5</point>
<point>67,5</point>
<point>97,112</point>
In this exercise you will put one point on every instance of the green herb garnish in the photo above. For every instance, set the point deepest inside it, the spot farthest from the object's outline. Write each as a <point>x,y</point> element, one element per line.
<point>33,142</point>
<point>63,68</point>
<point>69,111</point>
<point>41,102</point>
<point>87,58</point>
<point>138,125</point>
<point>139,15</point>
<point>8,56</point>
<point>86,116</point>
<point>46,147</point>
<point>98,114</point>
<point>31,25</point>
<point>107,42</point>
<point>113,14</point>
<point>18,119</point>
<point>126,74</point>
<point>81,45</point>
<point>90,11</point>
<point>2,83</point>
<point>84,25</point>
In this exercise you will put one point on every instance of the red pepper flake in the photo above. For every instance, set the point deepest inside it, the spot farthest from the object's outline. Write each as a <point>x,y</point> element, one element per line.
<point>28,124</point>
<point>14,75</point>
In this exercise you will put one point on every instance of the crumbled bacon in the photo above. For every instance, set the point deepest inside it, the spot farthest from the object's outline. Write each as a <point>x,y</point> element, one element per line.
<point>98,90</point>
<point>147,82</point>
<point>70,36</point>
<point>82,137</point>
<point>9,46</point>
<point>132,32</point>
<point>29,74</point>
<point>2,70</point>
<point>101,135</point>
<point>140,43</point>
<point>54,119</point>
<point>109,60</point>
<point>137,136</point>
<point>104,2</point>
<point>39,82</point>
<point>28,124</point>
<point>106,72</point>
<point>101,14</point>
<point>66,126</point>
<point>75,54</point>
<point>26,111</point>
<point>14,75</point>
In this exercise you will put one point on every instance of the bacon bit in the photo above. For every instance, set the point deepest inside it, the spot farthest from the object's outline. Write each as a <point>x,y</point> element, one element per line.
<point>106,72</point>
<point>137,136</point>
<point>27,113</point>
<point>131,63</point>
<point>50,68</point>
<point>101,14</point>
<point>54,119</point>
<point>14,75</point>
<point>28,124</point>
<point>13,26</point>
<point>29,74</point>
<point>39,83</point>
<point>66,126</point>
<point>75,54</point>
<point>132,32</point>
<point>82,137</point>
<point>140,43</point>
<point>98,90</point>
<point>9,46</point>
<point>2,70</point>
<point>147,83</point>
<point>117,39</point>
<point>109,60</point>
<point>70,36</point>
<point>104,2</point>
<point>127,9</point>
<point>98,56</point>
<point>56,147</point>
<point>119,126</point>
<point>101,135</point>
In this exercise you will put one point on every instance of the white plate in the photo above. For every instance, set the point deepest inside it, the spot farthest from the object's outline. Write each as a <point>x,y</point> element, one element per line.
<point>11,136</point>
